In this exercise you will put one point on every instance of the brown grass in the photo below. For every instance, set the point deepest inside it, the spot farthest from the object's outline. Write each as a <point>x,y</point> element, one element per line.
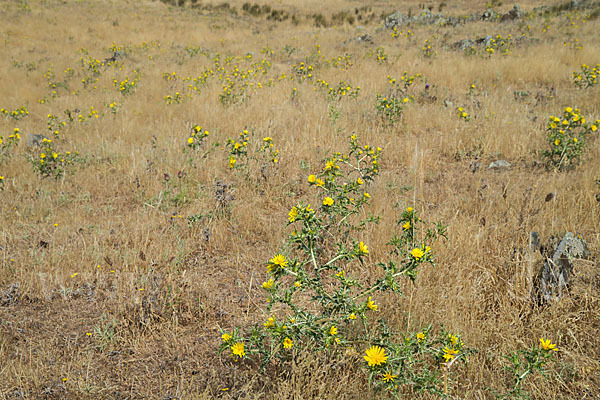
<point>113,229</point>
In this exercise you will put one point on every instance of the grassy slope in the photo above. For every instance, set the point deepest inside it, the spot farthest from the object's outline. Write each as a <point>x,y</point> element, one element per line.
<point>106,221</point>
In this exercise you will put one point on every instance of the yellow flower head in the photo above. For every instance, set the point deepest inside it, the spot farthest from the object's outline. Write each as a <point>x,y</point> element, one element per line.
<point>417,253</point>
<point>293,214</point>
<point>388,377</point>
<point>333,330</point>
<point>319,182</point>
<point>360,181</point>
<point>232,162</point>
<point>327,201</point>
<point>449,353</point>
<point>268,284</point>
<point>225,337</point>
<point>312,178</point>
<point>297,284</point>
<point>375,356</point>
<point>352,316</point>
<point>279,260</point>
<point>237,349</point>
<point>372,305</point>
<point>547,345</point>
<point>287,343</point>
<point>363,248</point>
<point>270,322</point>
<point>190,140</point>
<point>406,225</point>
<point>420,336</point>
<point>367,195</point>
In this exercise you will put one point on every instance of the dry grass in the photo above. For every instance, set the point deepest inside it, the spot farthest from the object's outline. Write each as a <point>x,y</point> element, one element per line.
<point>153,292</point>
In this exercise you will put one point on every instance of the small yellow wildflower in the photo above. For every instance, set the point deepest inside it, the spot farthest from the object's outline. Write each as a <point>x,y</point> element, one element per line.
<point>225,337</point>
<point>367,195</point>
<point>191,140</point>
<point>293,214</point>
<point>375,356</point>
<point>312,178</point>
<point>268,284</point>
<point>360,181</point>
<point>449,353</point>
<point>420,336</point>
<point>287,343</point>
<point>372,305</point>
<point>327,201</point>
<point>409,209</point>
<point>352,316</point>
<point>363,248</point>
<point>270,322</point>
<point>547,345</point>
<point>406,225</point>
<point>297,284</point>
<point>417,253</point>
<point>333,330</point>
<point>388,377</point>
<point>319,182</point>
<point>237,349</point>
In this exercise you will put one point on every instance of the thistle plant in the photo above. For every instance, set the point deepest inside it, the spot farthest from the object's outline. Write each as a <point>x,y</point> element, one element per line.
<point>9,142</point>
<point>526,363</point>
<point>245,150</point>
<point>567,138</point>
<point>462,114</point>
<point>588,76</point>
<point>316,299</point>
<point>51,162</point>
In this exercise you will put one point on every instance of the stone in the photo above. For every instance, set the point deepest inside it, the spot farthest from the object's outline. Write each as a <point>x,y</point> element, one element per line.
<point>513,14</point>
<point>555,275</point>
<point>35,140</point>
<point>499,164</point>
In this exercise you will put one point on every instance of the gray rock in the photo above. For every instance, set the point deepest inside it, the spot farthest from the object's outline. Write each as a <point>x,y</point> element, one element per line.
<point>555,275</point>
<point>513,14</point>
<point>35,140</point>
<point>489,15</point>
<point>499,164</point>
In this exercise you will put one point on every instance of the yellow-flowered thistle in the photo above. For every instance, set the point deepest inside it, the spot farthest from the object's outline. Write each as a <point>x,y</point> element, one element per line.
<point>449,353</point>
<point>287,343</point>
<point>417,253</point>
<point>388,377</point>
<point>237,349</point>
<point>270,322</point>
<point>278,261</point>
<point>225,337</point>
<point>293,214</point>
<point>312,178</point>
<point>333,330</point>
<point>371,305</point>
<point>546,345</point>
<point>363,248</point>
<point>420,336</point>
<point>327,201</point>
<point>375,356</point>
<point>268,284</point>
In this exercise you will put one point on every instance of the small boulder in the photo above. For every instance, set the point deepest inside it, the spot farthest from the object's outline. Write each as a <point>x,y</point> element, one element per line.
<point>499,164</point>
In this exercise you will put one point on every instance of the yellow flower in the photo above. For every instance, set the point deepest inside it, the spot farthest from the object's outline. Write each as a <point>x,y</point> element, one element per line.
<point>268,284</point>
<point>417,253</point>
<point>308,209</point>
<point>333,330</point>
<point>360,181</point>
<point>42,155</point>
<point>312,178</point>
<point>449,353</point>
<point>388,377</point>
<point>420,336</point>
<point>406,225</point>
<point>287,343</point>
<point>232,162</point>
<point>320,182</point>
<point>367,195</point>
<point>278,260</point>
<point>327,201</point>
<point>594,128</point>
<point>270,322</point>
<point>575,140</point>
<point>375,356</point>
<point>557,142</point>
<point>297,284</point>
<point>547,345</point>
<point>568,109</point>
<point>329,165</point>
<point>409,209</point>
<point>453,339</point>
<point>191,140</point>
<point>237,349</point>
<point>267,139</point>
<point>352,316</point>
<point>372,305</point>
<point>225,337</point>
<point>363,248</point>
<point>293,214</point>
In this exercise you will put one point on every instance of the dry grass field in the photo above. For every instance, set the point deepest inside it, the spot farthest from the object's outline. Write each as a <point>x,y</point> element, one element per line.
<point>126,251</point>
